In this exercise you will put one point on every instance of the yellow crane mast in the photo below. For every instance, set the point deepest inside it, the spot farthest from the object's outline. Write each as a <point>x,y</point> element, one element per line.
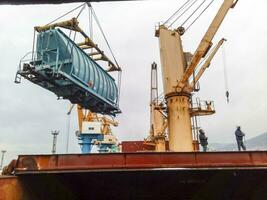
<point>158,122</point>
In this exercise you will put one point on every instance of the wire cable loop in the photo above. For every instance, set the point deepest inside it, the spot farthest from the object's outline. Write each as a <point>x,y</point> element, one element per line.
<point>182,13</point>
<point>176,12</point>
<point>199,15</point>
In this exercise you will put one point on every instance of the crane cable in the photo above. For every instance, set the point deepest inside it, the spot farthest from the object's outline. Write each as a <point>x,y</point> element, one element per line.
<point>82,5</point>
<point>90,20</point>
<point>193,12</point>
<point>183,13</point>
<point>109,47</point>
<point>225,74</point>
<point>90,16</point>
<point>176,12</point>
<point>103,34</point>
<point>199,15</point>
<point>184,8</point>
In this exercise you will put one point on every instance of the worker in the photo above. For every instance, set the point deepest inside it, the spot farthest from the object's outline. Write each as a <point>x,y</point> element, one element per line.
<point>203,140</point>
<point>239,138</point>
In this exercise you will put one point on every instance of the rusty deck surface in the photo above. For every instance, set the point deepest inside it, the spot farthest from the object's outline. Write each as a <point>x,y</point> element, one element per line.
<point>139,161</point>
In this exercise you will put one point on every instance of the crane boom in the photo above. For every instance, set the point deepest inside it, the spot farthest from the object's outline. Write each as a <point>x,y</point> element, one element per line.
<point>206,64</point>
<point>206,41</point>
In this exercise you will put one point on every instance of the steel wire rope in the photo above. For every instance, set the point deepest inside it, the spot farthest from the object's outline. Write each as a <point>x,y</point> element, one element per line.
<point>110,49</point>
<point>71,57</point>
<point>33,44</point>
<point>199,15</point>
<point>176,12</point>
<point>225,74</point>
<point>66,14</point>
<point>75,32</point>
<point>182,13</point>
<point>103,34</point>
<point>119,86</point>
<point>83,7</point>
<point>90,21</point>
<point>199,6</point>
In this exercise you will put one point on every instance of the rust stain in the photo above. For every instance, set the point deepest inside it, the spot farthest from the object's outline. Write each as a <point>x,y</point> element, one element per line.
<point>141,160</point>
<point>10,188</point>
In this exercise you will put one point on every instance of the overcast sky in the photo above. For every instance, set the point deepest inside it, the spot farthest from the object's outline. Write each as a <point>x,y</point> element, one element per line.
<point>28,113</point>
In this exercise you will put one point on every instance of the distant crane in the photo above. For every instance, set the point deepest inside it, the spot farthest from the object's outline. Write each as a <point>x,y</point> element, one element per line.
<point>158,121</point>
<point>95,129</point>
<point>54,146</point>
<point>2,158</point>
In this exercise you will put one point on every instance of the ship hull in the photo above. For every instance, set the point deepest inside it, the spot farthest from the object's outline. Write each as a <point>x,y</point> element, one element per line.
<point>142,176</point>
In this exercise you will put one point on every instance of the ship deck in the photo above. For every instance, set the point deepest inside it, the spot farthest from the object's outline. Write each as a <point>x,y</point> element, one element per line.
<point>139,161</point>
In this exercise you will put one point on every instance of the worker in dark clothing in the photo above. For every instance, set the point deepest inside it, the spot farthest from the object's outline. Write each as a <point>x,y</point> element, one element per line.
<point>203,140</point>
<point>239,139</point>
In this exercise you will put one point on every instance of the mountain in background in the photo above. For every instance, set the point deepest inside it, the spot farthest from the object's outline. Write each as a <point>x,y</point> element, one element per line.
<point>256,143</point>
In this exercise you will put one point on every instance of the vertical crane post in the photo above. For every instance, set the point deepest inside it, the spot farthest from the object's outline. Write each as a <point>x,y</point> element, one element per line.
<point>54,146</point>
<point>2,159</point>
<point>158,123</point>
<point>173,67</point>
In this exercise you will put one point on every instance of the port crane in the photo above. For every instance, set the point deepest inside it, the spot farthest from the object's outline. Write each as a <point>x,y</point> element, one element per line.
<point>158,122</point>
<point>95,129</point>
<point>177,69</point>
